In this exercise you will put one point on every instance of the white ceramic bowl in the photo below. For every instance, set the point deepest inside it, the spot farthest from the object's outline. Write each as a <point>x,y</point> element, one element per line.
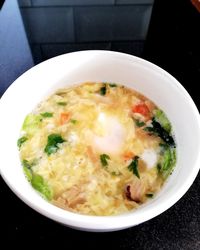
<point>65,70</point>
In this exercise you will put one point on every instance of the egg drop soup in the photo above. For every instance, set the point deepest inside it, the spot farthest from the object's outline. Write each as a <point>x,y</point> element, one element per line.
<point>97,149</point>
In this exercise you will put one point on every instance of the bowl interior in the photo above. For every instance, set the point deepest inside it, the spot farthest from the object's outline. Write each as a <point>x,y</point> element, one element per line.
<point>74,68</point>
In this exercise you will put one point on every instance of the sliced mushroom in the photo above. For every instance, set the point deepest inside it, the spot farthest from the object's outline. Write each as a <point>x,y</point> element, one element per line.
<point>135,191</point>
<point>70,198</point>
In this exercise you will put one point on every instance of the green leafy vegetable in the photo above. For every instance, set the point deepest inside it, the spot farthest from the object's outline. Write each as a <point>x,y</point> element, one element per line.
<point>21,140</point>
<point>73,121</point>
<point>27,169</point>
<point>28,173</point>
<point>103,90</point>
<point>149,195</point>
<point>62,103</point>
<point>112,85</point>
<point>133,167</point>
<point>46,114</point>
<point>31,123</point>
<point>40,185</point>
<point>139,123</point>
<point>162,119</point>
<point>167,161</point>
<point>158,167</point>
<point>158,130</point>
<point>27,164</point>
<point>36,180</point>
<point>53,142</point>
<point>104,158</point>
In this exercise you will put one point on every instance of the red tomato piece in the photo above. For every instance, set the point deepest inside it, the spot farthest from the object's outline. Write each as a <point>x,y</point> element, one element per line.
<point>141,108</point>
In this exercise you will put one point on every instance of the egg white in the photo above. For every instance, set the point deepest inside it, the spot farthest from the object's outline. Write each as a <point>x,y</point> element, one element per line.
<point>110,134</point>
<point>150,157</point>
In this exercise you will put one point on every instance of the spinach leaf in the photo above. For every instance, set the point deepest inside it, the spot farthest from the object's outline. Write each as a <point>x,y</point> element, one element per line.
<point>158,130</point>
<point>39,184</point>
<point>162,119</point>
<point>53,142</point>
<point>104,158</point>
<point>21,140</point>
<point>46,114</point>
<point>133,167</point>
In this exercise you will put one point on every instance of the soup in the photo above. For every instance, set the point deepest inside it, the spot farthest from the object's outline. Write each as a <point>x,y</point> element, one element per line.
<point>97,149</point>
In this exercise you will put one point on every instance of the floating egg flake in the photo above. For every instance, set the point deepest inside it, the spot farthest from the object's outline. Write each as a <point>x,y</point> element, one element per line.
<point>149,156</point>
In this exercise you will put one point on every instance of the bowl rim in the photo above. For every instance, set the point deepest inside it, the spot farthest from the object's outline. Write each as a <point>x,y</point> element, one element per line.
<point>109,223</point>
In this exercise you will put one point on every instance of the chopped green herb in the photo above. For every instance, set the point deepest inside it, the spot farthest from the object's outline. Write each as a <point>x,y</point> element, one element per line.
<point>149,195</point>
<point>46,114</point>
<point>21,140</point>
<point>73,121</point>
<point>133,167</point>
<point>104,158</point>
<point>112,85</point>
<point>62,103</point>
<point>115,173</point>
<point>103,90</point>
<point>40,185</point>
<point>53,143</point>
<point>158,130</point>
<point>139,123</point>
